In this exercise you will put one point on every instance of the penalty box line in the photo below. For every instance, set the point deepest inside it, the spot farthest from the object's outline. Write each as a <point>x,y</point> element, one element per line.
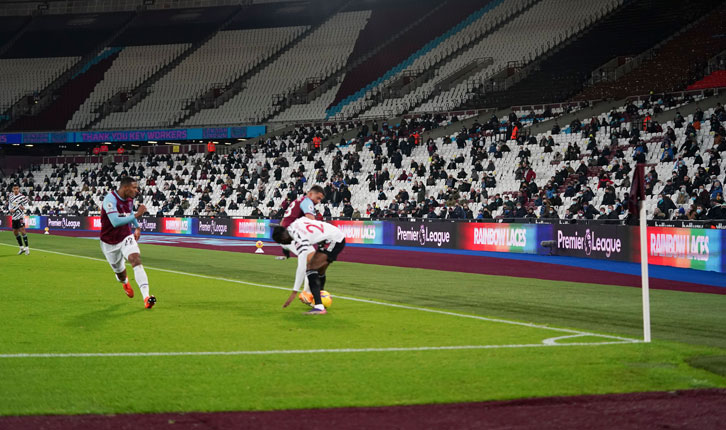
<point>302,351</point>
<point>374,302</point>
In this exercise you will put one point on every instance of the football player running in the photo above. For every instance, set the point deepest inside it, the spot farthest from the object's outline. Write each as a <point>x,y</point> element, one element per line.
<point>118,243</point>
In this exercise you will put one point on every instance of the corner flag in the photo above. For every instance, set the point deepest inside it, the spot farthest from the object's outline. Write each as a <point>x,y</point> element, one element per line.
<point>637,189</point>
<point>636,206</point>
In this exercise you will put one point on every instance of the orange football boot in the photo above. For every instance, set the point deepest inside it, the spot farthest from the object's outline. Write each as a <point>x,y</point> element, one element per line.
<point>128,290</point>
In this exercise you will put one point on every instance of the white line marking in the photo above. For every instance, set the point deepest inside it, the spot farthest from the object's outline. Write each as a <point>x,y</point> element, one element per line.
<point>553,340</point>
<point>299,351</point>
<point>375,302</point>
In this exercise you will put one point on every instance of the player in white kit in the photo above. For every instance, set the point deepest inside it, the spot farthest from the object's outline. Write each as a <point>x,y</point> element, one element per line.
<point>303,236</point>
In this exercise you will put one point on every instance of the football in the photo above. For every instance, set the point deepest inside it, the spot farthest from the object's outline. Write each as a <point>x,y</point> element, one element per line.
<point>306,298</point>
<point>259,244</point>
<point>327,299</point>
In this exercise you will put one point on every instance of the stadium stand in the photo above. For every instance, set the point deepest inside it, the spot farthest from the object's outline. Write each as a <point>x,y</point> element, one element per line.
<point>74,42</point>
<point>464,175</point>
<point>25,76</point>
<point>482,22</point>
<point>234,65</point>
<point>547,25</point>
<point>70,96</point>
<point>10,27</point>
<point>676,62</point>
<point>288,63</point>
<point>447,15</point>
<point>716,79</point>
<point>131,67</point>
<point>66,35</point>
<point>320,54</point>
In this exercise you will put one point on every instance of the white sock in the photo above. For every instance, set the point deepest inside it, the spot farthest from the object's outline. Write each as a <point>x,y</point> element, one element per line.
<point>142,280</point>
<point>123,282</point>
<point>320,307</point>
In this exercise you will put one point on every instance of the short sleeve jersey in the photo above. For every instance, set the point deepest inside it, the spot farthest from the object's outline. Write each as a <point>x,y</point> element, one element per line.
<point>113,203</point>
<point>300,207</point>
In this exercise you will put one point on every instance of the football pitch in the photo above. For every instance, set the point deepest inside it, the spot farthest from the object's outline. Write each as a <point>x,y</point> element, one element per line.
<point>218,339</point>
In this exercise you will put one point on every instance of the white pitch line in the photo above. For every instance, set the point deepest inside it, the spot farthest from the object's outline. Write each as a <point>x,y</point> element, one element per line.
<point>375,302</point>
<point>299,351</point>
<point>553,340</point>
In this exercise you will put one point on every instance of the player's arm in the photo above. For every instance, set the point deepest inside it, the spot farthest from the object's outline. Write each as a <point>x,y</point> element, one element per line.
<point>118,221</point>
<point>302,264</point>
<point>109,205</point>
<point>139,213</point>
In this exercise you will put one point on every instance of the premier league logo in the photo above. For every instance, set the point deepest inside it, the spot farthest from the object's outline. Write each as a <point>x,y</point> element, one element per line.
<point>588,242</point>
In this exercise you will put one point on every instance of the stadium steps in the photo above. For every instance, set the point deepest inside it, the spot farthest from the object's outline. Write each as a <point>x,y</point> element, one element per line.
<point>596,109</point>
<point>454,54</point>
<point>70,96</point>
<point>45,97</point>
<point>142,90</point>
<point>336,77</point>
<point>236,86</point>
<point>239,83</point>
<point>504,98</point>
<point>690,108</point>
<point>9,44</point>
<point>628,30</point>
<point>360,81</point>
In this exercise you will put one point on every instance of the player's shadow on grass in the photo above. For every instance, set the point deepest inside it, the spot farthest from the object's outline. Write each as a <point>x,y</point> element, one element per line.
<point>101,317</point>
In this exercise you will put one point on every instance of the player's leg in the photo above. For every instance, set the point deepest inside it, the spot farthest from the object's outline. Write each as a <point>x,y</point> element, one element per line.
<point>317,262</point>
<point>320,264</point>
<point>25,240</point>
<point>16,232</point>
<point>312,276</point>
<point>116,260</point>
<point>133,255</point>
<point>329,255</point>
<point>321,275</point>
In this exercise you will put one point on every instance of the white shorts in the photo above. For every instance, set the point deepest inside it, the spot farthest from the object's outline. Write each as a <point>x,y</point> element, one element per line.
<point>116,255</point>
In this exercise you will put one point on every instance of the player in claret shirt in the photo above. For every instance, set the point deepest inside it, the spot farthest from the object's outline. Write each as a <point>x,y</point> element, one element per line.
<point>303,206</point>
<point>118,243</point>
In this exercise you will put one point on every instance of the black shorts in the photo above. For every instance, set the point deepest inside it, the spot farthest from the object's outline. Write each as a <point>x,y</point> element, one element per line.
<point>18,224</point>
<point>332,250</point>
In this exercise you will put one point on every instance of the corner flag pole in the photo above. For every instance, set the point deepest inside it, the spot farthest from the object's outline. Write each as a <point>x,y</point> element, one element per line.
<point>636,203</point>
<point>644,273</point>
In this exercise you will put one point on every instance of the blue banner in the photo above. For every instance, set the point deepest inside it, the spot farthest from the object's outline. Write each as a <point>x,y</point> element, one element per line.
<point>177,134</point>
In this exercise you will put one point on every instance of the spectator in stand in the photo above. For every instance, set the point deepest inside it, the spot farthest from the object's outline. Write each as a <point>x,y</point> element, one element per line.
<point>665,204</point>
<point>717,210</point>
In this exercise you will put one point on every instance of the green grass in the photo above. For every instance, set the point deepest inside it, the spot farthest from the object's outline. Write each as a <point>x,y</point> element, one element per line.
<point>63,304</point>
